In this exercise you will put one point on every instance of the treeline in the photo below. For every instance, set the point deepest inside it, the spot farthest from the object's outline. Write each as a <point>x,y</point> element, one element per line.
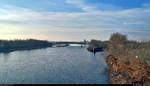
<point>12,45</point>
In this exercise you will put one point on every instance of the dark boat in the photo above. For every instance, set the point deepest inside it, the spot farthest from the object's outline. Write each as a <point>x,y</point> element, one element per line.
<point>98,49</point>
<point>92,49</point>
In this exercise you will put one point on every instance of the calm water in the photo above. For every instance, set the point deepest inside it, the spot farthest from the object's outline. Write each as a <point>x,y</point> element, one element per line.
<point>65,65</point>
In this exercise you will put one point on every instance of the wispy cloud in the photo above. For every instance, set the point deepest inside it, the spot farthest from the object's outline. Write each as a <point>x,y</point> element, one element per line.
<point>81,4</point>
<point>131,18</point>
<point>90,22</point>
<point>89,19</point>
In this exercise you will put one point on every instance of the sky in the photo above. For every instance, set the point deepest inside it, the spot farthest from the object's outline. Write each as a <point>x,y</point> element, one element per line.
<point>74,20</point>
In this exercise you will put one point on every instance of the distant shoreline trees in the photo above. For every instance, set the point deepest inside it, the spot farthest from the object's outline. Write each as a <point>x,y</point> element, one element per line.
<point>12,45</point>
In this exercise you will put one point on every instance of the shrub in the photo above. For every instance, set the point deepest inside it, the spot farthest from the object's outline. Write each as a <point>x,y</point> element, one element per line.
<point>122,48</point>
<point>117,37</point>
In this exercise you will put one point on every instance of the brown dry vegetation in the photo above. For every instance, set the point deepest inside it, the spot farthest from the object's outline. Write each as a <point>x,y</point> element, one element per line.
<point>128,60</point>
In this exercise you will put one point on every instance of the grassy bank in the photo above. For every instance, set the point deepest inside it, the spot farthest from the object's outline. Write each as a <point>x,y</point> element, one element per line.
<point>13,45</point>
<point>128,60</point>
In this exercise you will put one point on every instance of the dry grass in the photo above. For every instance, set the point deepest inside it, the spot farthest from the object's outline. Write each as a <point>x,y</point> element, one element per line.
<point>129,57</point>
<point>121,47</point>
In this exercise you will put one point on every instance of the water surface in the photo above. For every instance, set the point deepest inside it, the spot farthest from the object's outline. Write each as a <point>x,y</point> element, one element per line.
<point>66,65</point>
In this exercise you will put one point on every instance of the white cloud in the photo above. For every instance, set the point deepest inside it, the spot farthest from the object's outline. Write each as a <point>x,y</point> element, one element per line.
<point>86,24</point>
<point>88,19</point>
<point>81,4</point>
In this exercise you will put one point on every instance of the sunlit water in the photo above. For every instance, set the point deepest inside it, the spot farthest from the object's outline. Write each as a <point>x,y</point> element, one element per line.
<point>66,65</point>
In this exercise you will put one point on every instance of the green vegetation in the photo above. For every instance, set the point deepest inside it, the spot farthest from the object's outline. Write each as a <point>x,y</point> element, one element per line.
<point>12,45</point>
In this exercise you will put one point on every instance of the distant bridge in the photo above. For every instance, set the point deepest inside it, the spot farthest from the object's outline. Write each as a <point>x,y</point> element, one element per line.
<point>68,43</point>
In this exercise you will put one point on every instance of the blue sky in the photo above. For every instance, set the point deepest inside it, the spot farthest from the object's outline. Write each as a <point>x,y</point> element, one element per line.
<point>125,4</point>
<point>61,5</point>
<point>72,19</point>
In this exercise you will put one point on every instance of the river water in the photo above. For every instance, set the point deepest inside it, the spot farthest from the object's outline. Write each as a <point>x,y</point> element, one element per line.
<point>63,65</point>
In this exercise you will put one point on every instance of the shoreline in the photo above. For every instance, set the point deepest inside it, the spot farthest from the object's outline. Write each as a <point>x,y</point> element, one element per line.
<point>7,46</point>
<point>9,51</point>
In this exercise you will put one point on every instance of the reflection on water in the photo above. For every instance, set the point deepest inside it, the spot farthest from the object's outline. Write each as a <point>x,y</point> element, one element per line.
<point>53,65</point>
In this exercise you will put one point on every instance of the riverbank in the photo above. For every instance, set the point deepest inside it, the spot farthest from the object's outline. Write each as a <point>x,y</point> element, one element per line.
<point>127,73</point>
<point>14,45</point>
<point>128,61</point>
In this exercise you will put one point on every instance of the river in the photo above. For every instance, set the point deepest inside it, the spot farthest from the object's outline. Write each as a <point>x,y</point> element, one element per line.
<point>63,65</point>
